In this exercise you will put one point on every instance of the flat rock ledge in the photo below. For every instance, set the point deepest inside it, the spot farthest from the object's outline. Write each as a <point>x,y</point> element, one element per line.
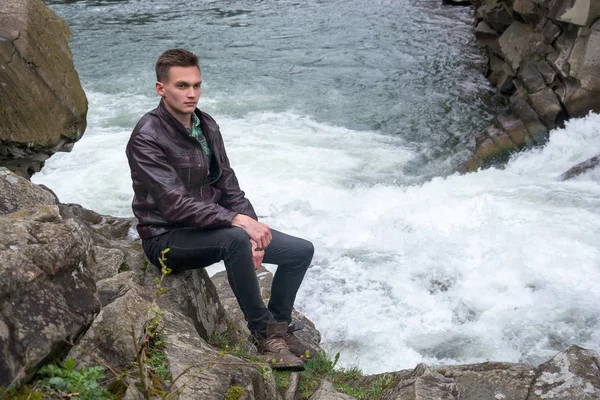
<point>544,56</point>
<point>74,282</point>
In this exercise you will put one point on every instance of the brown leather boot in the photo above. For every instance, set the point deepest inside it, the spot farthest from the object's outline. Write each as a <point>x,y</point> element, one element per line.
<point>274,348</point>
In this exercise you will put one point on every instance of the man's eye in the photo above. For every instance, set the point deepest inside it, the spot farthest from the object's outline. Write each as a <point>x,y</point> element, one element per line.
<point>181,86</point>
<point>197,85</point>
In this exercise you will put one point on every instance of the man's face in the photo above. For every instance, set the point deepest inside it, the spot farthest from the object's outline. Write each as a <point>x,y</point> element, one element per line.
<point>181,90</point>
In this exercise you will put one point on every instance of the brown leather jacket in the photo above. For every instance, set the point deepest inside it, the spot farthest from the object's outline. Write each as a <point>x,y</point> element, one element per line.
<point>171,184</point>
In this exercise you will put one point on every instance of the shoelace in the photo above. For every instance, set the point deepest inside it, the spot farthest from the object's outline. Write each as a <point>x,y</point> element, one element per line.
<point>277,343</point>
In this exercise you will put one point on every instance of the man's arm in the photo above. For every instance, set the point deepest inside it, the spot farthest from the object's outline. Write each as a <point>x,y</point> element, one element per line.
<point>148,163</point>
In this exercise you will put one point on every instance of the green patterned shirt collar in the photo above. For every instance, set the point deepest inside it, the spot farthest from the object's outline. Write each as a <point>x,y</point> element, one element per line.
<point>196,128</point>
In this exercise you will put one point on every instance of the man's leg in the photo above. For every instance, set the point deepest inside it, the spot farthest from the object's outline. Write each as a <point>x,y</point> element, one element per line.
<point>292,256</point>
<point>192,248</point>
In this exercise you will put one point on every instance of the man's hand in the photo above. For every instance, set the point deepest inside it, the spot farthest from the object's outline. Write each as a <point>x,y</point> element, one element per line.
<point>257,255</point>
<point>259,232</point>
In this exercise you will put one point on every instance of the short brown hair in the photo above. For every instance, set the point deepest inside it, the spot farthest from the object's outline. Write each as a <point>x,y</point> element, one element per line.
<point>174,58</point>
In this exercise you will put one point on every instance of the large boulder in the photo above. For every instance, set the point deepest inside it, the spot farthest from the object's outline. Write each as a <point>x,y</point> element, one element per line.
<point>47,296</point>
<point>42,106</point>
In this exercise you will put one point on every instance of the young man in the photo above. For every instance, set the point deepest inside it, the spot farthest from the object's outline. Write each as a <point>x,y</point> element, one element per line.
<point>187,199</point>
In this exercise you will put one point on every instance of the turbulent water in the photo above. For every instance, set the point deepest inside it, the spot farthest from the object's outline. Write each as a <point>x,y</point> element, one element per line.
<point>344,121</point>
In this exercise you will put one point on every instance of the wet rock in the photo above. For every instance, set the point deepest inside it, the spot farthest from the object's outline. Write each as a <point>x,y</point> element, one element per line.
<point>531,78</point>
<point>582,168</point>
<point>492,380</point>
<point>43,106</point>
<point>548,107</point>
<point>585,61</point>
<point>573,374</point>
<point>515,43</point>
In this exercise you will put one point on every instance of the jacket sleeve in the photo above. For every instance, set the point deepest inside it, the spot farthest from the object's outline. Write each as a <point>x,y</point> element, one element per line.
<point>148,163</point>
<point>233,197</point>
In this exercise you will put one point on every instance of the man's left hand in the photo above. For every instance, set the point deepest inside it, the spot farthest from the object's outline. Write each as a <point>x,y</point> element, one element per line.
<point>257,255</point>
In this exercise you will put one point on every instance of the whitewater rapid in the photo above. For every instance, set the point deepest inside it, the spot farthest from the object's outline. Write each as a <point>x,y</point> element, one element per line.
<point>500,264</point>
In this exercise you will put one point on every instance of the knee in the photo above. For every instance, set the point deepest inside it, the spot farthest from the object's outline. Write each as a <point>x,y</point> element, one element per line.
<point>306,250</point>
<point>238,238</point>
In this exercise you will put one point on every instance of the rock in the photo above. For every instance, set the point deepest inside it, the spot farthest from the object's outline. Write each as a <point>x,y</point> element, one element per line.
<point>524,7</point>
<point>43,106</point>
<point>585,61</point>
<point>194,294</point>
<point>205,373</point>
<point>501,74</point>
<point>548,107</point>
<point>581,102</point>
<point>515,43</point>
<point>422,384</point>
<point>581,168</point>
<point>108,262</point>
<point>573,374</point>
<point>546,71</point>
<point>492,380</point>
<point>560,58</point>
<point>47,296</point>
<point>19,193</point>
<point>309,335</point>
<point>326,391</point>
<point>514,128</point>
<point>578,12</point>
<point>531,78</point>
<point>530,120</point>
<point>550,32</point>
<point>111,336</point>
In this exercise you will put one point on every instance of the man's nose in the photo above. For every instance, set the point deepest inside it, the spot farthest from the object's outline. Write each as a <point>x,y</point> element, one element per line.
<point>191,92</point>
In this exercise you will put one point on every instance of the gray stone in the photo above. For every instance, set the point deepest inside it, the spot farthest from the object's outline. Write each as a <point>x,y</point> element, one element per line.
<point>492,380</point>
<point>546,71</point>
<point>514,128</point>
<point>560,58</point>
<point>578,12</point>
<point>573,374</point>
<point>47,295</point>
<point>201,372</point>
<point>501,74</point>
<point>194,294</point>
<point>487,37</point>
<point>326,391</point>
<point>529,118</point>
<point>108,262</point>
<point>585,61</point>
<point>515,43</point>
<point>531,78</point>
<point>548,107</point>
<point>111,336</point>
<point>550,31</point>
<point>581,102</point>
<point>422,384</point>
<point>524,7</point>
<point>19,193</point>
<point>582,168</point>
<point>43,106</point>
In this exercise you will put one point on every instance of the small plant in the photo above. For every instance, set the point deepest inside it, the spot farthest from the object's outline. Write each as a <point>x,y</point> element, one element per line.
<point>234,393</point>
<point>81,383</point>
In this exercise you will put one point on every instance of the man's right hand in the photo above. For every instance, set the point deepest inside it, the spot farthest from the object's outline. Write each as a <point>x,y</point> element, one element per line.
<point>259,232</point>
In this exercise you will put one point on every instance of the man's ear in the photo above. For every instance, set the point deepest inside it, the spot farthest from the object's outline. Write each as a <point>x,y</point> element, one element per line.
<point>160,89</point>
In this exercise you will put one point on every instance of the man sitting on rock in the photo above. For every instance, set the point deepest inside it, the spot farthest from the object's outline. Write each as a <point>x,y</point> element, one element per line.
<point>187,198</point>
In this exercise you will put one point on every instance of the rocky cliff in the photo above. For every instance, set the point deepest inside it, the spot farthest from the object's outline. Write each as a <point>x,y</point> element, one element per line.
<point>545,56</point>
<point>42,102</point>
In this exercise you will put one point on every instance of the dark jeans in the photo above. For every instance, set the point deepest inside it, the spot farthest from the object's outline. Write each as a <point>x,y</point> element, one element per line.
<point>192,248</point>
